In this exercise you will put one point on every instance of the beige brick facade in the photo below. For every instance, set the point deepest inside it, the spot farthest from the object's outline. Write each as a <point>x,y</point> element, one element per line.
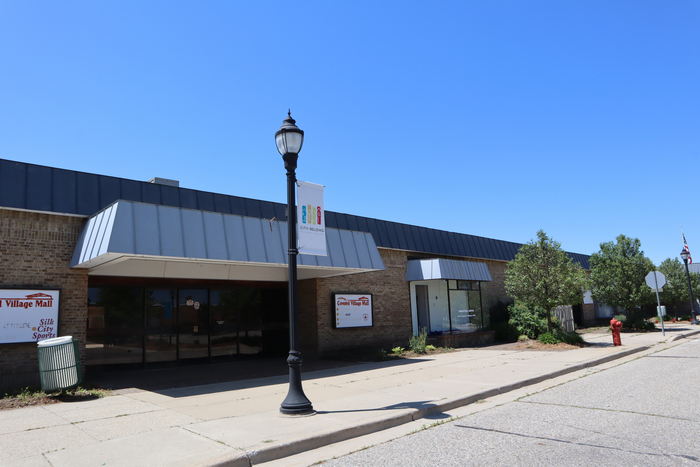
<point>36,250</point>
<point>391,300</point>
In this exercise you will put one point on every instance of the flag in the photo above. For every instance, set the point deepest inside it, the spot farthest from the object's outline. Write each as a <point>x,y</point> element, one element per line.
<point>685,248</point>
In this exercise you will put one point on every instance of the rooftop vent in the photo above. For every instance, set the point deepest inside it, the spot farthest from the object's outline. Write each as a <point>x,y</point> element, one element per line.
<point>165,181</point>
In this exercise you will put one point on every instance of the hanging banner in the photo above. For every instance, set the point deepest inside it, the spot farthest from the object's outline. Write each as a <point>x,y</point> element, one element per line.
<point>28,315</point>
<point>311,219</point>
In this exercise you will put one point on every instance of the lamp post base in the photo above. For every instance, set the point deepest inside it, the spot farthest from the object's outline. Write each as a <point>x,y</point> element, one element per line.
<point>296,402</point>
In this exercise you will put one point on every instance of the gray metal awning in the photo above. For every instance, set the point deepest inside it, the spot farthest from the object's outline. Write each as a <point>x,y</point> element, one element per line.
<point>439,268</point>
<point>135,239</point>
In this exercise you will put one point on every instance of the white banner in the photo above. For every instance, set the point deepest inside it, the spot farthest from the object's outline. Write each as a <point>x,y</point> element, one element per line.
<point>28,315</point>
<point>353,310</point>
<point>311,219</point>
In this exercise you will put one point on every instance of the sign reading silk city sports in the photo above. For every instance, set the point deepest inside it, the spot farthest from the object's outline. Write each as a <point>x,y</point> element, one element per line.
<point>311,223</point>
<point>28,315</point>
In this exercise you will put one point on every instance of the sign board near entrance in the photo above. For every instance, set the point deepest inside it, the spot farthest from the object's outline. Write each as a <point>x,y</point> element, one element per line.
<point>28,315</point>
<point>352,310</point>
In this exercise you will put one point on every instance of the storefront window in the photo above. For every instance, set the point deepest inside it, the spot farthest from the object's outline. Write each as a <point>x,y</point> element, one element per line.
<point>161,325</point>
<point>115,325</point>
<point>224,323</point>
<point>448,305</point>
<point>193,323</point>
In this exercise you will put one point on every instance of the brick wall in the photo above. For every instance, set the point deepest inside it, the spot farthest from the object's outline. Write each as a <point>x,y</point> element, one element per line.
<point>36,250</point>
<point>391,307</point>
<point>391,299</point>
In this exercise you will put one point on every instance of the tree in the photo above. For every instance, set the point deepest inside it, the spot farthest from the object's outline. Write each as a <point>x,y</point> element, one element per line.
<point>675,292</point>
<point>617,274</point>
<point>542,275</point>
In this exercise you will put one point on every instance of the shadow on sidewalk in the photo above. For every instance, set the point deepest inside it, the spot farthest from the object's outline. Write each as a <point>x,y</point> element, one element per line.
<point>204,377</point>
<point>419,405</point>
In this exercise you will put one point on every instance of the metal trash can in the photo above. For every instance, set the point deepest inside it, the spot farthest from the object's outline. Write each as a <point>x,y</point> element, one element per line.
<point>59,363</point>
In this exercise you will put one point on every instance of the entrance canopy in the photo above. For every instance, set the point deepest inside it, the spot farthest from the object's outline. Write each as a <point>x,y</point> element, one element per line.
<point>439,268</point>
<point>134,239</point>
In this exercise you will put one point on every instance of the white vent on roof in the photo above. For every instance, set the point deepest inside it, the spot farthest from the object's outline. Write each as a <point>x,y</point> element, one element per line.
<point>165,181</point>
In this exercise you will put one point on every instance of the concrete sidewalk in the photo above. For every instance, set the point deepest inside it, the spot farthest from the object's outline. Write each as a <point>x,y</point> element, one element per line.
<point>238,423</point>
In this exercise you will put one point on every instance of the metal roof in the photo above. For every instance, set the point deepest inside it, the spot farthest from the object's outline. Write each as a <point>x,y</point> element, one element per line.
<point>41,188</point>
<point>440,268</point>
<point>160,239</point>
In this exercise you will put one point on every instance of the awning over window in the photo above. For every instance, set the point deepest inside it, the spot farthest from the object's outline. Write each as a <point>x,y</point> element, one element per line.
<point>438,268</point>
<point>136,239</point>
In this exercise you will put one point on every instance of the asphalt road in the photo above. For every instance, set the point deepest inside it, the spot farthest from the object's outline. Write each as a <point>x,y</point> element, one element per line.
<point>644,412</point>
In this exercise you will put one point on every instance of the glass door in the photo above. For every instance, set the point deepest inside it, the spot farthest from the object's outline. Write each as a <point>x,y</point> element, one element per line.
<point>160,330</point>
<point>224,322</point>
<point>193,323</point>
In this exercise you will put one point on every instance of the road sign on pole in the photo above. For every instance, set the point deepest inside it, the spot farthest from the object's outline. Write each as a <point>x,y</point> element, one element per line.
<point>656,280</point>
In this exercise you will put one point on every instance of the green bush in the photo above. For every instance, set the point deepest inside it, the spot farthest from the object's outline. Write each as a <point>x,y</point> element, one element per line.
<point>397,350</point>
<point>430,348</point>
<point>530,321</point>
<point>548,338</point>
<point>572,338</point>
<point>635,321</point>
<point>417,343</point>
<point>505,332</point>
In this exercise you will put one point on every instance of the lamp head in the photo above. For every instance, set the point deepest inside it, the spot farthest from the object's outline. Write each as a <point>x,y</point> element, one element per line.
<point>289,138</point>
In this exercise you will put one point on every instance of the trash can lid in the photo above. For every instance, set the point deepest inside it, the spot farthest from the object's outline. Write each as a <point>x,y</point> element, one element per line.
<point>55,341</point>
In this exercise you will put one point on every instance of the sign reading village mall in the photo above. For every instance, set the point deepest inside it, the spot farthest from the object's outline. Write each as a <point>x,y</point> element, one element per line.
<point>28,315</point>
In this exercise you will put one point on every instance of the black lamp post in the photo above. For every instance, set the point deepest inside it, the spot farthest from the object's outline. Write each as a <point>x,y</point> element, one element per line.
<point>685,254</point>
<point>289,139</point>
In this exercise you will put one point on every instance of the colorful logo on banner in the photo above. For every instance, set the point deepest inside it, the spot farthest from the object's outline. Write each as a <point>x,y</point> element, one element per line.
<point>311,224</point>
<point>311,214</point>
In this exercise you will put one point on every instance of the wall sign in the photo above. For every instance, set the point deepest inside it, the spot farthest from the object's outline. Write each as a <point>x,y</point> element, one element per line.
<point>352,310</point>
<point>28,315</point>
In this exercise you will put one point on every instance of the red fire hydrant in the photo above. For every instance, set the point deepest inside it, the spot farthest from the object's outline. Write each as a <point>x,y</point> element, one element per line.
<point>615,327</point>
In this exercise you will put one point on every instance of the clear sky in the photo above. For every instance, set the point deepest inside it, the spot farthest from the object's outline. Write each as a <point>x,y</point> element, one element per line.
<point>494,118</point>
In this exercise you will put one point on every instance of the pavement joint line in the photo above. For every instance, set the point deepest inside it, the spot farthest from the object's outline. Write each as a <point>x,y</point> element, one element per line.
<point>319,440</point>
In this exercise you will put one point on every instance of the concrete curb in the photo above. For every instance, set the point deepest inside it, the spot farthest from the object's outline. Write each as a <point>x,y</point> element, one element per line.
<point>683,336</point>
<point>316,441</point>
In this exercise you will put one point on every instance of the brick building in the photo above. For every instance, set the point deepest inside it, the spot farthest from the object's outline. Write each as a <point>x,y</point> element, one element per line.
<point>149,272</point>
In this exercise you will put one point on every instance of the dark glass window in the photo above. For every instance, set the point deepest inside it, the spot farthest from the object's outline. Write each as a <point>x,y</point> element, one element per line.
<point>115,325</point>
<point>161,325</point>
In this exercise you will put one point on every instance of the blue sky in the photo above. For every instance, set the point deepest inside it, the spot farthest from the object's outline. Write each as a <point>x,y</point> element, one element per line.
<point>490,118</point>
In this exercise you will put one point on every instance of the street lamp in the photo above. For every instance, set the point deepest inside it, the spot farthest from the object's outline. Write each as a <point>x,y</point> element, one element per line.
<point>289,139</point>
<point>685,254</point>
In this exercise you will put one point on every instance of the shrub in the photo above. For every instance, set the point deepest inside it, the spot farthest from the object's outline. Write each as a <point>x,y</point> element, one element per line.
<point>572,338</point>
<point>548,338</point>
<point>636,321</point>
<point>397,350</point>
<point>505,332</point>
<point>417,343</point>
<point>430,348</point>
<point>530,321</point>
<point>523,337</point>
